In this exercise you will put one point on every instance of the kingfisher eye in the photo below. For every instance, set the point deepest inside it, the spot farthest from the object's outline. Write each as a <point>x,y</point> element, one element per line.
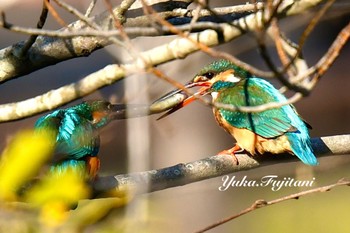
<point>209,75</point>
<point>204,77</point>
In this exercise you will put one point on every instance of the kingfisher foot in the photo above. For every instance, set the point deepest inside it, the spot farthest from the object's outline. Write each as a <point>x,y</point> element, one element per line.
<point>232,152</point>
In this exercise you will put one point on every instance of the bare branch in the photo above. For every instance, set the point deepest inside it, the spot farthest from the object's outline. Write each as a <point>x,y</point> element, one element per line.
<point>65,94</point>
<point>262,203</point>
<point>214,166</point>
<point>178,48</point>
<point>47,51</point>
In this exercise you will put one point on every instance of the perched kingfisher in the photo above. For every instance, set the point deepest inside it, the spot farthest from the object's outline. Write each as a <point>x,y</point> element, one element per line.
<point>274,130</point>
<point>77,137</point>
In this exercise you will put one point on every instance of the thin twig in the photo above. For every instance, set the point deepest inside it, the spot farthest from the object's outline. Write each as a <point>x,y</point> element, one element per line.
<point>269,15</point>
<point>39,25</point>
<point>55,14</point>
<point>312,24</point>
<point>90,8</point>
<point>295,98</point>
<point>279,47</point>
<point>268,61</point>
<point>333,52</point>
<point>327,59</point>
<point>87,20</point>
<point>310,27</point>
<point>77,13</point>
<point>271,11</point>
<point>195,16</point>
<point>117,19</point>
<point>130,31</point>
<point>262,203</point>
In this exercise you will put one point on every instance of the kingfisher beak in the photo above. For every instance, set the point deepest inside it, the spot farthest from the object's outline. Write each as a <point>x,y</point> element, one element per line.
<point>201,92</point>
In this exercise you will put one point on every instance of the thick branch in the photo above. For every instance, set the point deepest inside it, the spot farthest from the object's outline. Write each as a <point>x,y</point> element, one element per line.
<point>214,166</point>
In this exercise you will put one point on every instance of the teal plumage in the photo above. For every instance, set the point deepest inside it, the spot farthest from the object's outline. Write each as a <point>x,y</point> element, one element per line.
<point>76,133</point>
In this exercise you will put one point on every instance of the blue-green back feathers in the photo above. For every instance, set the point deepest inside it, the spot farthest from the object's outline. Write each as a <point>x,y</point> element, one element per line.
<point>76,136</point>
<point>270,123</point>
<point>254,92</point>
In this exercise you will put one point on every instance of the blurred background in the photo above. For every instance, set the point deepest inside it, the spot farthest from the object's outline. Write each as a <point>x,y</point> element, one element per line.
<point>192,133</point>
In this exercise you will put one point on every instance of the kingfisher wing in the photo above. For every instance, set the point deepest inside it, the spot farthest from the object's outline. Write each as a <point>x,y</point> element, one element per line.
<point>269,123</point>
<point>50,122</point>
<point>77,136</point>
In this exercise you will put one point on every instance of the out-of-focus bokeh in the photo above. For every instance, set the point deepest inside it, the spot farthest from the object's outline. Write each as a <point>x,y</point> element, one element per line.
<point>192,133</point>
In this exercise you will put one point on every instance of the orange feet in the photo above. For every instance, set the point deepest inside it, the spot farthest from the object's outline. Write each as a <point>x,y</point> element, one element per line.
<point>232,152</point>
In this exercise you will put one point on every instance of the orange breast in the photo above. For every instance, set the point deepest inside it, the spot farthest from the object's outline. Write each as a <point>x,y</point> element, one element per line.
<point>252,142</point>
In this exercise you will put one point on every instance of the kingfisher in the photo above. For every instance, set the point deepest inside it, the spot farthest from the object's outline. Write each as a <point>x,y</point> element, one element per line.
<point>76,134</point>
<point>276,130</point>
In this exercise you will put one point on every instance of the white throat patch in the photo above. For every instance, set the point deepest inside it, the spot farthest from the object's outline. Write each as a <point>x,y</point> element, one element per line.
<point>232,78</point>
<point>214,95</point>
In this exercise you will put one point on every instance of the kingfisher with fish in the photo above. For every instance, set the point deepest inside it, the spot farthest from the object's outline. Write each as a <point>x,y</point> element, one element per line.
<point>276,130</point>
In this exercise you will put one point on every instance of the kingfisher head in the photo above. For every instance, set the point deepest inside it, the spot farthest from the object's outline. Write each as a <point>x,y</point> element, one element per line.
<point>216,76</point>
<point>100,112</point>
<point>212,78</point>
<point>219,74</point>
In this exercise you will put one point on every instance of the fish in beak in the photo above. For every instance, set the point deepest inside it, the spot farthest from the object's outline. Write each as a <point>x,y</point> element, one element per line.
<point>205,86</point>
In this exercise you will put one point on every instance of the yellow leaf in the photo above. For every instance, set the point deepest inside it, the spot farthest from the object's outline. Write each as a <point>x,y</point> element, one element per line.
<point>22,159</point>
<point>68,188</point>
<point>55,195</point>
